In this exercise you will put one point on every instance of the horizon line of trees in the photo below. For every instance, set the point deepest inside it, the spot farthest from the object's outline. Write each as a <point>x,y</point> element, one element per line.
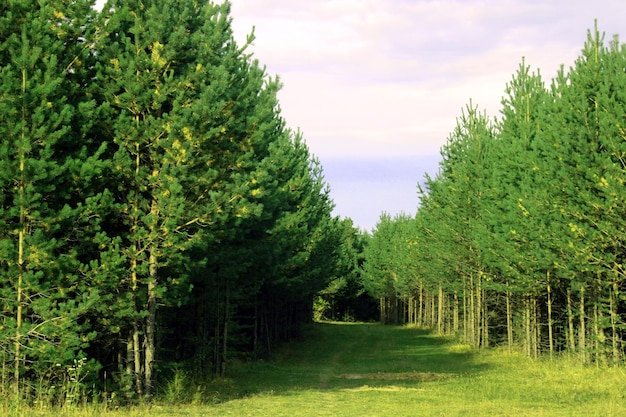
<point>156,212</point>
<point>519,240</point>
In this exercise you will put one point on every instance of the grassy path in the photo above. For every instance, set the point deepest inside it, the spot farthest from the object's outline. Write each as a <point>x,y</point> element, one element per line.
<point>355,370</point>
<point>372,370</point>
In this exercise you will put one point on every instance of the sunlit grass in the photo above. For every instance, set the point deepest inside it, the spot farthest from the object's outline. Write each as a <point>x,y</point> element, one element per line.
<point>372,370</point>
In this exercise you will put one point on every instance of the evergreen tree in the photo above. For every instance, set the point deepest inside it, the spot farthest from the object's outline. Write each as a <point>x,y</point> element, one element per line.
<point>514,232</point>
<point>580,151</point>
<point>46,160</point>
<point>171,75</point>
<point>345,297</point>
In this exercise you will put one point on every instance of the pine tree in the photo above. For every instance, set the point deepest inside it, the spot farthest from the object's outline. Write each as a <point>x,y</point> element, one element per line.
<point>514,230</point>
<point>156,68</point>
<point>193,120</point>
<point>582,155</point>
<point>44,119</point>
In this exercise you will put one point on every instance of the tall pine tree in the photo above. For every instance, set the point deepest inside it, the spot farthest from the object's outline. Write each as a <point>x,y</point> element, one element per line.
<point>45,164</point>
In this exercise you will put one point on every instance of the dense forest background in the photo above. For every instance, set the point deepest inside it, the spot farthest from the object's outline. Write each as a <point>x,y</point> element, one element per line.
<point>158,214</point>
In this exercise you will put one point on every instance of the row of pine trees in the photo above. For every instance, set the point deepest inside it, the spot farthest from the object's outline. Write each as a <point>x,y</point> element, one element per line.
<point>155,209</point>
<point>519,240</point>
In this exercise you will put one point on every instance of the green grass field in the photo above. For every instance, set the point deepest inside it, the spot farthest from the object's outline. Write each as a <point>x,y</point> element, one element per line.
<point>372,370</point>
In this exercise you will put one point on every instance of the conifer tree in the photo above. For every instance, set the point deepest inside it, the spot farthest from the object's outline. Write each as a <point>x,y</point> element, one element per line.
<point>168,70</point>
<point>582,154</point>
<point>466,159</point>
<point>45,163</point>
<point>514,229</point>
<point>194,123</point>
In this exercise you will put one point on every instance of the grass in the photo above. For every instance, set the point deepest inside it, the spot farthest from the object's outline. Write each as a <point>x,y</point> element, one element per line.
<point>372,370</point>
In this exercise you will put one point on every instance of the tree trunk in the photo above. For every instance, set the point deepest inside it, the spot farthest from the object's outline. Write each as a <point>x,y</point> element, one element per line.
<point>455,314</point>
<point>527,326</point>
<point>509,319</point>
<point>473,310</point>
<point>536,328</point>
<point>137,359</point>
<point>597,335</point>
<point>582,332</point>
<point>129,357</point>
<point>433,311</point>
<point>485,315</point>
<point>19,300</point>
<point>420,314</point>
<point>550,322</point>
<point>150,348</point>
<point>447,314</point>
<point>465,317</point>
<point>571,340</point>
<point>440,310</point>
<point>19,288</point>
<point>614,318</point>
<point>601,350</point>
<point>480,311</point>
<point>133,276</point>
<point>138,375</point>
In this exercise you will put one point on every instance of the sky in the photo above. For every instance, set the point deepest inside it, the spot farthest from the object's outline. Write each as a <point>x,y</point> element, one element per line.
<point>375,86</point>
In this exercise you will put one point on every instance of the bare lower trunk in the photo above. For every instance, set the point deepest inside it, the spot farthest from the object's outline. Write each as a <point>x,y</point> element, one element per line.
<point>536,329</point>
<point>465,317</point>
<point>455,314</point>
<point>136,345</point>
<point>485,322</point>
<point>571,340</point>
<point>509,319</point>
<point>150,348</point>
<point>478,308</point>
<point>433,311</point>
<point>137,360</point>
<point>527,326</point>
<point>440,310</point>
<point>21,241</point>
<point>472,312</point>
<point>614,322</point>
<point>582,331</point>
<point>420,314</point>
<point>19,312</point>
<point>550,322</point>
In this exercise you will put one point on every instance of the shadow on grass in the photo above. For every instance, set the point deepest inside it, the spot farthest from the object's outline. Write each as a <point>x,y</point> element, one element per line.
<point>338,356</point>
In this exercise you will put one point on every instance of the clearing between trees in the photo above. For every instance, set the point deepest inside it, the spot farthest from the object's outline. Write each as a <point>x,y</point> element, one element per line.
<point>339,369</point>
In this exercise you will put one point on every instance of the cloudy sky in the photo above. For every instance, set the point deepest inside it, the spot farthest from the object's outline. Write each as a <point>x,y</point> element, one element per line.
<point>376,85</point>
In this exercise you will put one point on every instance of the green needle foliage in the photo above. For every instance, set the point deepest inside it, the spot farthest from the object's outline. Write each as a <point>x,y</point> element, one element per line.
<point>45,164</point>
<point>157,212</point>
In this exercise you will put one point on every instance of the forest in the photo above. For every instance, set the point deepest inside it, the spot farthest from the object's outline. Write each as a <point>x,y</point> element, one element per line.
<point>158,213</point>
<point>518,240</point>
